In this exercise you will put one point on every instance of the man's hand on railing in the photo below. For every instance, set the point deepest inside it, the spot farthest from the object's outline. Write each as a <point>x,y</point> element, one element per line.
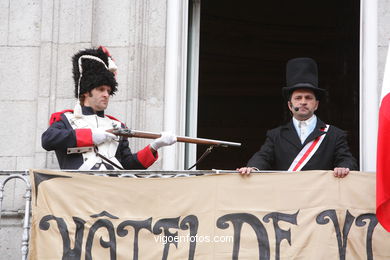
<point>340,172</point>
<point>246,170</point>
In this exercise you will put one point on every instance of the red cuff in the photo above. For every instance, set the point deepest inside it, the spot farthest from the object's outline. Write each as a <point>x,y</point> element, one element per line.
<point>146,157</point>
<point>83,137</point>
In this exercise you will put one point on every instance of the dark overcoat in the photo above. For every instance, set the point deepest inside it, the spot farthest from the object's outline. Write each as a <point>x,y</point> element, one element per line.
<point>282,145</point>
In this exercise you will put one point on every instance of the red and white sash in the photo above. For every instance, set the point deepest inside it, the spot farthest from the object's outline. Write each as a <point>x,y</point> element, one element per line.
<point>307,152</point>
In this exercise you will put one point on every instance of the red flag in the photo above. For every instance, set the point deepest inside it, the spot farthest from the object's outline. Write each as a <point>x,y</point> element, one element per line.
<point>383,153</point>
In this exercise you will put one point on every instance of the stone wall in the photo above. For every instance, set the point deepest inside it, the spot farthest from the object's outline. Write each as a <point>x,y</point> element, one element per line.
<point>37,40</point>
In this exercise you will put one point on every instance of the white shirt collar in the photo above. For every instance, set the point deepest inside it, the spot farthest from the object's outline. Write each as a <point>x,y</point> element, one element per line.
<point>308,121</point>
<point>308,128</point>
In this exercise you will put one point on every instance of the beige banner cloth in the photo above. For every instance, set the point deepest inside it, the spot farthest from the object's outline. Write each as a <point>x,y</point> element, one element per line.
<point>304,215</point>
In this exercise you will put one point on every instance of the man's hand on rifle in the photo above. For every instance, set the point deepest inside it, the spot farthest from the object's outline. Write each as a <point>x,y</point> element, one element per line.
<point>100,136</point>
<point>166,139</point>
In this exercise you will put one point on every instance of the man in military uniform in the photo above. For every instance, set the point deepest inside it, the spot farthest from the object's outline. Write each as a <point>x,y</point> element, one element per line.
<point>79,136</point>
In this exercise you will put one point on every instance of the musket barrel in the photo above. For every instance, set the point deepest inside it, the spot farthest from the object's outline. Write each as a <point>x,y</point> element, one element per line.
<point>186,139</point>
<point>151,135</point>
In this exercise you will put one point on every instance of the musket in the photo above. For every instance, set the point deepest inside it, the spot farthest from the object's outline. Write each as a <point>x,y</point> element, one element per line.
<point>126,132</point>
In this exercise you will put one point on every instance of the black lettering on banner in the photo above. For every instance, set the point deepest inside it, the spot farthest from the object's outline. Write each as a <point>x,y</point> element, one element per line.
<point>192,223</point>
<point>281,234</point>
<point>101,223</point>
<point>238,219</point>
<point>360,222</point>
<point>323,218</point>
<point>165,224</point>
<point>137,225</point>
<point>68,253</point>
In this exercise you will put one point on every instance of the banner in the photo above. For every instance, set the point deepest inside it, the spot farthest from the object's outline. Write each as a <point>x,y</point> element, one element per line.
<point>303,215</point>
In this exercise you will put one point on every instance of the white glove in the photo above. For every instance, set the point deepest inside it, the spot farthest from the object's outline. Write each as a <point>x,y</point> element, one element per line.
<point>166,138</point>
<point>100,136</point>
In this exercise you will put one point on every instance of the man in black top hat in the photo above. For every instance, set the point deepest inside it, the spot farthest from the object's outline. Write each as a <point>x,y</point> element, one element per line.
<point>305,143</point>
<point>79,136</point>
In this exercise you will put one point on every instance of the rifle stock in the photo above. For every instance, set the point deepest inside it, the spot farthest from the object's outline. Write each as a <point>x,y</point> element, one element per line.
<point>184,139</point>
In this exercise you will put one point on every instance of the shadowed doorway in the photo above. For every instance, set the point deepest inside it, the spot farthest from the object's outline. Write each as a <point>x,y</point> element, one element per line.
<point>244,47</point>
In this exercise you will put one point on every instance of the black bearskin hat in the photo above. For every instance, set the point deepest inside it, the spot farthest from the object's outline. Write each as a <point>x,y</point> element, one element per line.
<point>97,69</point>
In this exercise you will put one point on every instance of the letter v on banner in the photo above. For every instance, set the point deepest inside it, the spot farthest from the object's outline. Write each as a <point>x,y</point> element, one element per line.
<point>383,152</point>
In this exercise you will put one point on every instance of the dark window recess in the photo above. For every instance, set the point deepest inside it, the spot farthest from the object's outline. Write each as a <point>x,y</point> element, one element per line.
<point>244,46</point>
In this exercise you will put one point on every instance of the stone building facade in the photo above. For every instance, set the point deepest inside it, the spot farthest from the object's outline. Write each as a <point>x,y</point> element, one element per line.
<point>38,39</point>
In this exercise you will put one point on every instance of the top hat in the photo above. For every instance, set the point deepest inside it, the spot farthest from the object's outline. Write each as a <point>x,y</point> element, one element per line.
<point>93,68</point>
<point>302,73</point>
